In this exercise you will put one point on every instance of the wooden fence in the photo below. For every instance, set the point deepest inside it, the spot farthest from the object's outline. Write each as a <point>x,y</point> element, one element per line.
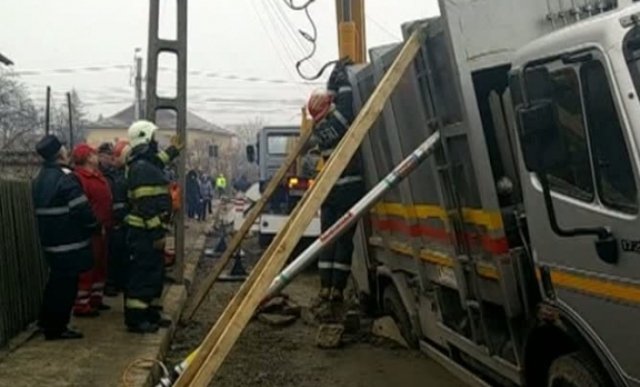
<point>22,268</point>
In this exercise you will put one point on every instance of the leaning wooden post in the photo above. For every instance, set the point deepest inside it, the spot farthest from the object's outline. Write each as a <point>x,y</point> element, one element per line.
<point>231,323</point>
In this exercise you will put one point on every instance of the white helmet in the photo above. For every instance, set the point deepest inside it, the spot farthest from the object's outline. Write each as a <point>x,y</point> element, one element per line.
<point>141,132</point>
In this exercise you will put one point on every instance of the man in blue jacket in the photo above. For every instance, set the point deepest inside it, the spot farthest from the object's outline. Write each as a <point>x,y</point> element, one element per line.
<point>65,223</point>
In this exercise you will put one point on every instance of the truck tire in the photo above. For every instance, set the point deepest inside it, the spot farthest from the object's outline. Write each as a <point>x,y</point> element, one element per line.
<point>393,306</point>
<point>576,369</point>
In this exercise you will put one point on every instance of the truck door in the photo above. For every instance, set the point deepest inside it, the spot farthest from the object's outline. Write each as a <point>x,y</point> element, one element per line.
<point>597,187</point>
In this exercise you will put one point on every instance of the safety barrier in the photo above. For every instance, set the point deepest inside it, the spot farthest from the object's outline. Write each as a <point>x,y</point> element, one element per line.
<point>22,269</point>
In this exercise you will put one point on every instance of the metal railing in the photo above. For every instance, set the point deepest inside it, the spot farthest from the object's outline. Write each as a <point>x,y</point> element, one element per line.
<point>22,268</point>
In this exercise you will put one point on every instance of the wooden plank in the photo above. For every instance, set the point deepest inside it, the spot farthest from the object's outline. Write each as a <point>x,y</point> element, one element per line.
<point>236,241</point>
<point>233,320</point>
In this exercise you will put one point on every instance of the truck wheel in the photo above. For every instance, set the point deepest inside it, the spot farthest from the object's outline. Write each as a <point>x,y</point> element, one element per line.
<point>575,370</point>
<point>264,240</point>
<point>393,306</point>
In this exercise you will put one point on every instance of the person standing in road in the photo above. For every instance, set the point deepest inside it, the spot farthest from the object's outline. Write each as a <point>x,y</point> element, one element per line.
<point>221,185</point>
<point>150,207</point>
<point>65,224</point>
<point>206,194</point>
<point>332,113</point>
<point>89,302</point>
<point>193,194</point>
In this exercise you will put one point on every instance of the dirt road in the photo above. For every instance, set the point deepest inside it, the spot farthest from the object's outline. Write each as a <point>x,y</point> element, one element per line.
<point>287,357</point>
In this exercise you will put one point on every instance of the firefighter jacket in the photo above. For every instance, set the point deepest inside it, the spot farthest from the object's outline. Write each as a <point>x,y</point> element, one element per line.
<point>118,185</point>
<point>148,188</point>
<point>328,133</point>
<point>97,190</point>
<point>65,219</point>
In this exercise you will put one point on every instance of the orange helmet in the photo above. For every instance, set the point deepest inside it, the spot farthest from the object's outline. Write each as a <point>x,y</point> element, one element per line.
<point>121,150</point>
<point>319,104</point>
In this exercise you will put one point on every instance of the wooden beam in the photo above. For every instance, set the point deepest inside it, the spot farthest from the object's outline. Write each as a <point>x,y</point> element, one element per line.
<point>233,320</point>
<point>204,289</point>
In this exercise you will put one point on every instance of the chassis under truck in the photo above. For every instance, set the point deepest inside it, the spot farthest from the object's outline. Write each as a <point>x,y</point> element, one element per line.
<point>273,146</point>
<point>512,255</point>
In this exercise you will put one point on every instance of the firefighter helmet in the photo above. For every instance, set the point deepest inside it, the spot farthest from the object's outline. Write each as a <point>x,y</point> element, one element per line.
<point>319,104</point>
<point>141,132</point>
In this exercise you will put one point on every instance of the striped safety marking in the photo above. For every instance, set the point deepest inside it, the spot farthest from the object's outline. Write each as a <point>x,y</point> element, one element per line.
<point>489,244</point>
<point>592,285</point>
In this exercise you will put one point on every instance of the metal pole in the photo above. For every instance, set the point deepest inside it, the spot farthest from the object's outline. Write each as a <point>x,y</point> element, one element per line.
<point>178,104</point>
<point>70,120</point>
<point>47,112</point>
<point>308,256</point>
<point>138,86</point>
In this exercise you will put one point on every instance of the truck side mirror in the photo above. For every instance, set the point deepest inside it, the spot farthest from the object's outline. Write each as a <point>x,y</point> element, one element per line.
<point>251,154</point>
<point>543,146</point>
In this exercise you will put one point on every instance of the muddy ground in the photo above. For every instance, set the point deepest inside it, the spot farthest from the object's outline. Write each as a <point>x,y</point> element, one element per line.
<point>287,356</point>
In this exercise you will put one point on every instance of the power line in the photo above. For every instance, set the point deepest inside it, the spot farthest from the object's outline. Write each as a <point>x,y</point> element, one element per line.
<point>70,70</point>
<point>209,74</point>
<point>273,43</point>
<point>293,32</point>
<point>383,28</point>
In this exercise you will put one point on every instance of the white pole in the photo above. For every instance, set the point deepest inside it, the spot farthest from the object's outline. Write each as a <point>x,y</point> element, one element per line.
<point>308,256</point>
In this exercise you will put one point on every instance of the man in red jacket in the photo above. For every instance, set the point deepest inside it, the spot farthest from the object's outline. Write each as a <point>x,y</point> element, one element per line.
<point>96,188</point>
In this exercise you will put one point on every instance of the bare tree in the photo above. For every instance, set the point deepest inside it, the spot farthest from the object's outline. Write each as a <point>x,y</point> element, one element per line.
<point>19,118</point>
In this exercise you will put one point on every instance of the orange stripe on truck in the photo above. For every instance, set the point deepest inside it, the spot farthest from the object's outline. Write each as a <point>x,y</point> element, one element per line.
<point>489,244</point>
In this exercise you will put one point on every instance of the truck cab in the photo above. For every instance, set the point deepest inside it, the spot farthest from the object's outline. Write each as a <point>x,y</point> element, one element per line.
<point>511,255</point>
<point>274,143</point>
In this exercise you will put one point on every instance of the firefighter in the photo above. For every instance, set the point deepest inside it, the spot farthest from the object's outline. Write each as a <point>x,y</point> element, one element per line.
<point>96,188</point>
<point>118,251</point>
<point>149,208</point>
<point>332,113</point>
<point>65,224</point>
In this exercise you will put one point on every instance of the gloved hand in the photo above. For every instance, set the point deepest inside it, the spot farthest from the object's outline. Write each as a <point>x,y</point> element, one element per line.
<point>158,244</point>
<point>339,75</point>
<point>176,142</point>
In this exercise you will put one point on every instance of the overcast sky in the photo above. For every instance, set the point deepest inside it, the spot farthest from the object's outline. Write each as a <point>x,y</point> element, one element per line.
<point>244,38</point>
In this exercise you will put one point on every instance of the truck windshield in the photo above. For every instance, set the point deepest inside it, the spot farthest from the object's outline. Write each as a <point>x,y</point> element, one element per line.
<point>280,144</point>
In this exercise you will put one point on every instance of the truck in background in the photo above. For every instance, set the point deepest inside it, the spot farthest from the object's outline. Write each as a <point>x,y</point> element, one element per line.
<point>511,255</point>
<point>273,145</point>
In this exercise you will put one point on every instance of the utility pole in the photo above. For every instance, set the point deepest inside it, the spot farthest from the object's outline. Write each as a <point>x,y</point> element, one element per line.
<point>47,112</point>
<point>70,120</point>
<point>138,85</point>
<point>177,104</point>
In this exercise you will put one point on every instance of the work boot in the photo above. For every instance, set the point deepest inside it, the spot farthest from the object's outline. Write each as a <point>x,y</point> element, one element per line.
<point>336,296</point>
<point>86,313</point>
<point>111,291</point>
<point>66,335</point>
<point>321,307</point>
<point>143,327</point>
<point>322,298</point>
<point>156,318</point>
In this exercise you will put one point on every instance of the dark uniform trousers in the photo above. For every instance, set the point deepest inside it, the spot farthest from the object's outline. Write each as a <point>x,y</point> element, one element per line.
<point>335,261</point>
<point>146,275</point>
<point>58,299</point>
<point>118,258</point>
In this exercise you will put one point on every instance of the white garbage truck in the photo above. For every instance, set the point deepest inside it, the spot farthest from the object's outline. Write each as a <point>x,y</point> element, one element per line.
<point>512,255</point>
<point>273,145</point>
